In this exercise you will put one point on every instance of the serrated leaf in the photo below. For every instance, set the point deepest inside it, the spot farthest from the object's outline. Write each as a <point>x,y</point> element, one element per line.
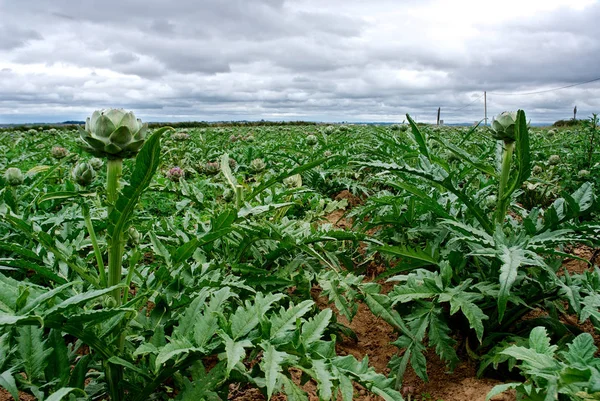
<point>324,378</point>
<point>235,351</point>
<point>32,352</point>
<point>285,321</point>
<point>314,328</point>
<point>7,381</point>
<point>292,391</point>
<point>271,366</point>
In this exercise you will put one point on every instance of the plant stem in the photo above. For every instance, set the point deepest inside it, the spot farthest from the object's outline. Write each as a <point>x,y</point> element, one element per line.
<point>114,373</point>
<point>502,203</point>
<point>114,171</point>
<point>115,243</point>
<point>90,228</point>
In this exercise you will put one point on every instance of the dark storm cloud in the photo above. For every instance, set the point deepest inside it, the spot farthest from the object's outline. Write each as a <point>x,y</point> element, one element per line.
<point>332,60</point>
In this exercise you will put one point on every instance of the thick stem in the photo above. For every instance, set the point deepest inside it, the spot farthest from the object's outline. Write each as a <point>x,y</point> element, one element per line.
<point>97,253</point>
<point>114,373</point>
<point>503,200</point>
<point>115,243</point>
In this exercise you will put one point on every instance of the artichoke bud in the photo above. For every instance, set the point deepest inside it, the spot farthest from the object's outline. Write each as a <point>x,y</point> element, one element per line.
<point>113,133</point>
<point>503,126</point>
<point>58,152</point>
<point>258,165</point>
<point>311,140</point>
<point>83,174</point>
<point>554,160</point>
<point>96,163</point>
<point>583,173</point>
<point>133,236</point>
<point>537,169</point>
<point>294,181</point>
<point>180,136</point>
<point>13,176</point>
<point>175,174</point>
<point>212,168</point>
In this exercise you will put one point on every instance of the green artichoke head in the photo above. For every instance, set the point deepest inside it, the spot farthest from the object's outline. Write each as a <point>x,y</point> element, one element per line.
<point>113,133</point>
<point>13,176</point>
<point>83,173</point>
<point>503,126</point>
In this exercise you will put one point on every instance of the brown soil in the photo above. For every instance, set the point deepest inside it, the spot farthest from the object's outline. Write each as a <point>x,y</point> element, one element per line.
<point>576,266</point>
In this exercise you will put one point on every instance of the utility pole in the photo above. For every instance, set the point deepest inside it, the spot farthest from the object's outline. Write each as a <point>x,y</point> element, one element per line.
<point>575,113</point>
<point>485,107</point>
<point>438,117</point>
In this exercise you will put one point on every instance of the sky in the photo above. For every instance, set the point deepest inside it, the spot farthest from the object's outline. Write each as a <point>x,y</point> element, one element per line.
<point>317,60</point>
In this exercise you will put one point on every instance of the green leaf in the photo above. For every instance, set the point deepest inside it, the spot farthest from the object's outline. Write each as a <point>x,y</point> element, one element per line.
<point>292,391</point>
<point>80,299</point>
<point>235,351</point>
<point>581,351</point>
<point>58,367</point>
<point>500,388</point>
<point>419,137</point>
<point>7,381</point>
<point>64,195</point>
<point>63,392</point>
<point>410,253</point>
<point>271,366</point>
<point>324,378</point>
<point>146,163</point>
<point>511,261</point>
<point>315,327</point>
<point>285,321</point>
<point>32,353</point>
<point>79,372</point>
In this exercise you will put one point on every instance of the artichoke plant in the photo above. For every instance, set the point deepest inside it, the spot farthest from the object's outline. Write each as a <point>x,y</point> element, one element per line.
<point>83,174</point>
<point>13,176</point>
<point>113,133</point>
<point>503,126</point>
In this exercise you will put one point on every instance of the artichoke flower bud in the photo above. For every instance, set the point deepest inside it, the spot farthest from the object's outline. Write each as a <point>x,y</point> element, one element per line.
<point>503,126</point>
<point>554,160</point>
<point>327,153</point>
<point>180,136</point>
<point>58,152</point>
<point>311,140</point>
<point>258,165</point>
<point>536,169</point>
<point>294,181</point>
<point>175,174</point>
<point>83,174</point>
<point>133,236</point>
<point>96,163</point>
<point>13,176</point>
<point>249,138</point>
<point>212,168</point>
<point>113,133</point>
<point>583,173</point>
<point>232,163</point>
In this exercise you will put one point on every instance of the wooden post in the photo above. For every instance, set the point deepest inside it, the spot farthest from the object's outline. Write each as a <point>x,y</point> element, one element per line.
<point>485,107</point>
<point>438,118</point>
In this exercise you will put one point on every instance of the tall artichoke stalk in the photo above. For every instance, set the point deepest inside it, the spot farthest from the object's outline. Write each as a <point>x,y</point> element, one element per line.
<point>503,128</point>
<point>114,134</point>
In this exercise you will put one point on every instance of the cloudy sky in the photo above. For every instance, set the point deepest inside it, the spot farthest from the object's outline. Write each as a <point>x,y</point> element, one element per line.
<point>323,60</point>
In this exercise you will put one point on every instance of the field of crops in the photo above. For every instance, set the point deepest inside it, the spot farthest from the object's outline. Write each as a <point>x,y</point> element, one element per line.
<point>263,262</point>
